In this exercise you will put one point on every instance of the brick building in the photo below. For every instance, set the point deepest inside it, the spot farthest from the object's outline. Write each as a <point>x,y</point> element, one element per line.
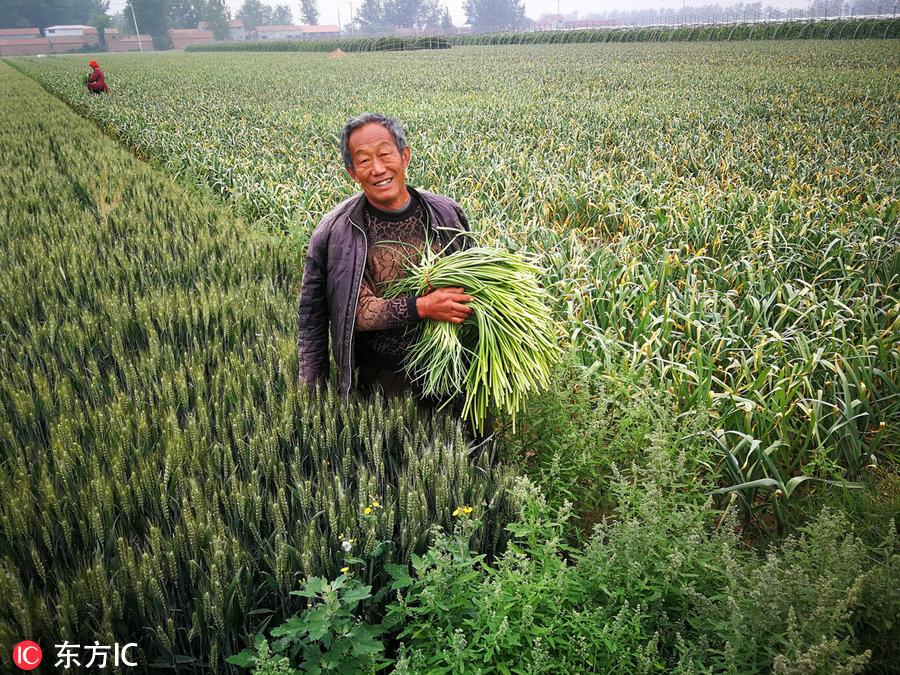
<point>56,40</point>
<point>127,43</point>
<point>183,37</point>
<point>236,33</point>
<point>298,32</point>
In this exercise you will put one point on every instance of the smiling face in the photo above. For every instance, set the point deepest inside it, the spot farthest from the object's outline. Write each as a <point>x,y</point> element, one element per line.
<point>378,167</point>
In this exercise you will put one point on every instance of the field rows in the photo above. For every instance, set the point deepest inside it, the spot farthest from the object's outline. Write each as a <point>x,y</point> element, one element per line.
<point>720,217</point>
<point>718,227</point>
<point>163,475</point>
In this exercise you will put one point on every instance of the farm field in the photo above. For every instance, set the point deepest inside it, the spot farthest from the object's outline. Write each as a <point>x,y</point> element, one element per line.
<point>720,217</point>
<point>718,225</point>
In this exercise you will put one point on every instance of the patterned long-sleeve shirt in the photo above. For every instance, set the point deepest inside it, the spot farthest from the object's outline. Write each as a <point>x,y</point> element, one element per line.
<point>386,328</point>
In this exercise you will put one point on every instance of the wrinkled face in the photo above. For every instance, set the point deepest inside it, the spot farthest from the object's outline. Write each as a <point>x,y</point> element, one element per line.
<point>378,167</point>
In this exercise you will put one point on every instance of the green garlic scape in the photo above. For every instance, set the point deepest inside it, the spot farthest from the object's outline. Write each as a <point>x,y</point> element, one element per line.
<point>503,351</point>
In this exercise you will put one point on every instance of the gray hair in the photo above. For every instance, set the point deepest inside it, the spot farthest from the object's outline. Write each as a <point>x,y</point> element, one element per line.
<point>392,124</point>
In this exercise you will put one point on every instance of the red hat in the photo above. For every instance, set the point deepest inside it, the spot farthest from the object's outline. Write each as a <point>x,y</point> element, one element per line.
<point>94,64</point>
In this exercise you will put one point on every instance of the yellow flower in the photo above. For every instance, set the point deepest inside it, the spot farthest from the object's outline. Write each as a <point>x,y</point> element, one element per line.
<point>367,510</point>
<point>345,569</point>
<point>375,504</point>
<point>462,511</point>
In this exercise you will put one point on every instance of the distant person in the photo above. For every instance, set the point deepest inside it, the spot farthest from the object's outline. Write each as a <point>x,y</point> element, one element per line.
<point>96,82</point>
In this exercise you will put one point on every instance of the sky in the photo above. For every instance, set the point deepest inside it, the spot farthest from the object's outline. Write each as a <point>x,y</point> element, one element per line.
<point>334,11</point>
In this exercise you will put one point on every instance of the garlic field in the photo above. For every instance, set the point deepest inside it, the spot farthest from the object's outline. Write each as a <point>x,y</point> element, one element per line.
<point>721,217</point>
<point>717,226</point>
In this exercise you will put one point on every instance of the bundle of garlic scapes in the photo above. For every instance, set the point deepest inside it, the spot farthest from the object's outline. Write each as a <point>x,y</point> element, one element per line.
<point>503,351</point>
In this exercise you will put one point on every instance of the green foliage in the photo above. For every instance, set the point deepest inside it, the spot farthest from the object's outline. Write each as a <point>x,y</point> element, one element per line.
<point>185,13</point>
<point>695,228</point>
<point>43,13</point>
<point>360,44</point>
<point>495,14</point>
<point>654,591</point>
<point>712,604</point>
<point>253,13</point>
<point>153,19</point>
<point>262,660</point>
<point>325,637</point>
<point>747,489</point>
<point>571,435</point>
<point>456,614</point>
<point>377,16</point>
<point>101,22</point>
<point>164,475</point>
<point>218,18</point>
<point>853,28</point>
<point>282,14</point>
<point>370,17</point>
<point>309,12</point>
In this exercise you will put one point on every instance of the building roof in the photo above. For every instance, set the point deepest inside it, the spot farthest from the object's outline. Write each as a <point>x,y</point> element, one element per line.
<point>231,24</point>
<point>20,31</point>
<point>299,28</point>
<point>189,32</point>
<point>72,27</point>
<point>278,27</point>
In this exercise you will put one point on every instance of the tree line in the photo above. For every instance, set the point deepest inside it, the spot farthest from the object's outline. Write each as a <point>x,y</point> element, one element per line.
<point>754,11</point>
<point>383,16</point>
<point>156,17</point>
<point>153,17</point>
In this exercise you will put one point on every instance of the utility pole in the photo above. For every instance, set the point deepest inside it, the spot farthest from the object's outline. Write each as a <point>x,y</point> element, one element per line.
<point>351,17</point>
<point>134,18</point>
<point>339,20</point>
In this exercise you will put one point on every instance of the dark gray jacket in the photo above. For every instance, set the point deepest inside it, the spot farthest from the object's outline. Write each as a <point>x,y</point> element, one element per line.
<point>334,270</point>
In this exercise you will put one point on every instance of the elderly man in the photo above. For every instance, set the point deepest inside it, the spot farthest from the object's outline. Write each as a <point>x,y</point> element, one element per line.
<point>361,246</point>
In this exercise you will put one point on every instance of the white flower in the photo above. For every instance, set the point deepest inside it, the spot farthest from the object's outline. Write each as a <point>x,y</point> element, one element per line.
<point>346,545</point>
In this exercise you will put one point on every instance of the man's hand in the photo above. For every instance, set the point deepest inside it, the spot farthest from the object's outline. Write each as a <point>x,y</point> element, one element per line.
<point>445,304</point>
